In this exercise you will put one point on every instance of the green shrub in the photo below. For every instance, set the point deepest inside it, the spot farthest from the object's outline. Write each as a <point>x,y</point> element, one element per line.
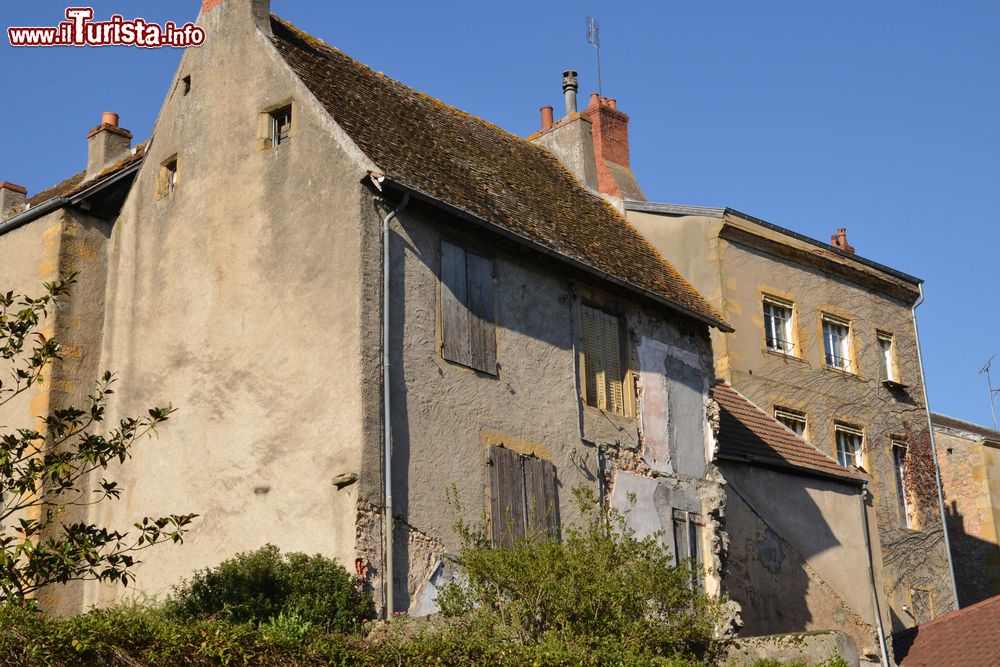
<point>262,585</point>
<point>599,587</point>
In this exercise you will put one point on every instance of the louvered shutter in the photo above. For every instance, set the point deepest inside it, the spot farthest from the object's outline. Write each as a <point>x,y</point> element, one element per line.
<point>603,366</point>
<point>588,345</point>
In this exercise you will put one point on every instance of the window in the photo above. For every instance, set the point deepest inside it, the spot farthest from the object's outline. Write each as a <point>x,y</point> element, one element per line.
<point>281,126</point>
<point>778,325</point>
<point>167,180</point>
<point>602,360</point>
<point>687,544</point>
<point>850,441</point>
<point>906,518</point>
<point>524,499</point>
<point>793,419</point>
<point>468,329</point>
<point>887,369</point>
<point>836,342</point>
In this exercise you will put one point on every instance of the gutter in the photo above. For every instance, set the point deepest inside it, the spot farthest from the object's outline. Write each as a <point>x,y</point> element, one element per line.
<point>930,431</point>
<point>871,577</point>
<point>721,325</point>
<point>387,405</point>
<point>56,203</point>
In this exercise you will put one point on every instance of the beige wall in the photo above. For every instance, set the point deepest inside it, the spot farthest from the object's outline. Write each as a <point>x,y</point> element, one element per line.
<point>970,476</point>
<point>913,558</point>
<point>237,300</point>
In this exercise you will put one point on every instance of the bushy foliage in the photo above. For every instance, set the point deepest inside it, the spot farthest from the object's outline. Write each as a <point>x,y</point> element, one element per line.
<point>263,586</point>
<point>46,471</point>
<point>599,586</point>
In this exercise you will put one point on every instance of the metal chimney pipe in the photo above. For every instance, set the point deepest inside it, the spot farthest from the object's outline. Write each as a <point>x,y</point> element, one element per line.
<point>569,90</point>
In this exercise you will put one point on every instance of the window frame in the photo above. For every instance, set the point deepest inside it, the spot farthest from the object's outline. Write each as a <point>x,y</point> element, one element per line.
<point>887,366</point>
<point>627,382</point>
<point>275,116</point>
<point>167,178</point>
<point>846,343</point>
<point>772,343</point>
<point>849,430</point>
<point>693,531</point>
<point>782,413</point>
<point>904,506</point>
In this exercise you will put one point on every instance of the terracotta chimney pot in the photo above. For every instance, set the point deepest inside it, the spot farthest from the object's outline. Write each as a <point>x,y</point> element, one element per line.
<point>109,118</point>
<point>594,100</point>
<point>613,103</point>
<point>546,117</point>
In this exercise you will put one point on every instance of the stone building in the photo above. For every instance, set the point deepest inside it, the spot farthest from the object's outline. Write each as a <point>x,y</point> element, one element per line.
<point>969,456</point>
<point>318,265</point>
<point>825,341</point>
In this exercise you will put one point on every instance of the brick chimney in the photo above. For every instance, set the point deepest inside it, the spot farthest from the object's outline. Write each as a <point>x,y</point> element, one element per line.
<point>11,200</point>
<point>592,143</point>
<point>839,241</point>
<point>106,144</point>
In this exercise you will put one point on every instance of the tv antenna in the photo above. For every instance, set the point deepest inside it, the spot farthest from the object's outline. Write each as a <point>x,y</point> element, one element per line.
<point>985,370</point>
<point>594,38</point>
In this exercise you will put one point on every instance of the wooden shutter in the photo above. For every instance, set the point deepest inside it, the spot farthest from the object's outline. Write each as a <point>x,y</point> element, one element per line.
<point>603,368</point>
<point>482,330</point>
<point>507,518</point>
<point>468,329</point>
<point>541,497</point>
<point>454,306</point>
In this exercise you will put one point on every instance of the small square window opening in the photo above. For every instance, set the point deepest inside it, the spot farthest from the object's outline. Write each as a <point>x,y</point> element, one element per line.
<point>281,126</point>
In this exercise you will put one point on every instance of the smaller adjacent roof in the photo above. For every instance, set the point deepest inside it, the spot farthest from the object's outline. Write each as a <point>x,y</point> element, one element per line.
<point>969,636</point>
<point>75,183</point>
<point>748,434</point>
<point>944,421</point>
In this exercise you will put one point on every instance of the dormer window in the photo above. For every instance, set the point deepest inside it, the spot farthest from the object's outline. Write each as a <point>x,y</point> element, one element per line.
<point>281,126</point>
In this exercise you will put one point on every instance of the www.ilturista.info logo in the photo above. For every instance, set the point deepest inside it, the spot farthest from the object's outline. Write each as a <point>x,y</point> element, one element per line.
<point>80,30</point>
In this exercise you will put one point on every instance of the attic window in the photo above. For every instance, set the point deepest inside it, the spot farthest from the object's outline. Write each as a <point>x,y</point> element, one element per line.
<point>186,81</point>
<point>281,126</point>
<point>167,181</point>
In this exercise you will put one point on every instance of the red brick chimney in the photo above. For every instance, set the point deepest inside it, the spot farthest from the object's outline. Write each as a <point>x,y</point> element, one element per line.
<point>839,241</point>
<point>610,133</point>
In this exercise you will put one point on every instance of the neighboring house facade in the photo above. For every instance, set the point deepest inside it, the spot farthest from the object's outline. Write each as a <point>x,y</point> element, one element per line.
<point>969,456</point>
<point>825,341</point>
<point>801,554</point>
<point>535,341</point>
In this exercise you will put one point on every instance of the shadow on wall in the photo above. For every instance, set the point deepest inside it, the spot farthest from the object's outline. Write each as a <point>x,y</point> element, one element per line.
<point>976,561</point>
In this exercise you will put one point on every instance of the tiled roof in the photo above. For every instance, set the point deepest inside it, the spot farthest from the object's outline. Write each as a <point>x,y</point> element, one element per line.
<point>969,636</point>
<point>75,183</point>
<point>475,167</point>
<point>961,425</point>
<point>747,433</point>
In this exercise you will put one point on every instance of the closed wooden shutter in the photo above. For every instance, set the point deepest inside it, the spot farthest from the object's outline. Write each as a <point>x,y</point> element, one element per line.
<point>482,331</point>
<point>541,497</point>
<point>524,498</point>
<point>468,328</point>
<point>601,352</point>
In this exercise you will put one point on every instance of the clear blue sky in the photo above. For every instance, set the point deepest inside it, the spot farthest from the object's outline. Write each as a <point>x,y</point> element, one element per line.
<point>882,117</point>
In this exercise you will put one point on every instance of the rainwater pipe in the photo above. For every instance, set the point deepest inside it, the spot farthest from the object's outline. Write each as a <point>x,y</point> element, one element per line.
<point>883,646</point>
<point>387,405</point>
<point>930,431</point>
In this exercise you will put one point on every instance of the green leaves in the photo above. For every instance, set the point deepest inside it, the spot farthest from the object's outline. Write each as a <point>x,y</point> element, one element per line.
<point>45,472</point>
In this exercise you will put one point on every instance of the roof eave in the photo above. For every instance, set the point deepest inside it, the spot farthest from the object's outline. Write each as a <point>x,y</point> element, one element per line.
<point>721,325</point>
<point>791,468</point>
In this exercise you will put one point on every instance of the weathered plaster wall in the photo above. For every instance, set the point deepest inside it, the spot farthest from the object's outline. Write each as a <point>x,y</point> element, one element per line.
<point>237,299</point>
<point>912,558</point>
<point>970,475</point>
<point>445,415</point>
<point>794,571</point>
